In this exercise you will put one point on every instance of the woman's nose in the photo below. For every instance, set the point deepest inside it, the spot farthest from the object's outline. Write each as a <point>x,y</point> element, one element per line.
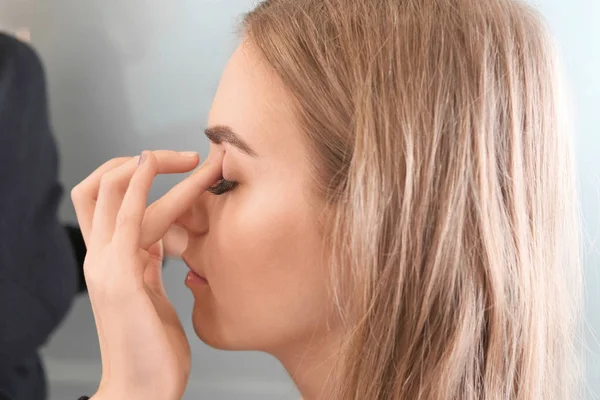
<point>196,219</point>
<point>193,223</point>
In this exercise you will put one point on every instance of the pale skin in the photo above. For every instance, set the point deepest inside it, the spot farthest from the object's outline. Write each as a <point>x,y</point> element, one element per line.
<point>257,277</point>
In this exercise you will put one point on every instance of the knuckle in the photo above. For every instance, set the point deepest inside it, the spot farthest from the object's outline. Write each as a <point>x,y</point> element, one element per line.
<point>113,162</point>
<point>79,194</point>
<point>109,181</point>
<point>76,193</point>
<point>125,220</point>
<point>90,271</point>
<point>151,159</point>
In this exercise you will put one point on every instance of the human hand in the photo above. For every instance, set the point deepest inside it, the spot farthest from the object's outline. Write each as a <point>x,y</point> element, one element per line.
<point>145,353</point>
<point>175,241</point>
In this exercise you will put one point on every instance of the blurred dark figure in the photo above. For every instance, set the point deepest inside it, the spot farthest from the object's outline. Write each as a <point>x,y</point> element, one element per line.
<point>40,259</point>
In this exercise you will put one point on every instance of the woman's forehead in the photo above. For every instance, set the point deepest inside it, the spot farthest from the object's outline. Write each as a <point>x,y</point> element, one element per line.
<point>252,100</point>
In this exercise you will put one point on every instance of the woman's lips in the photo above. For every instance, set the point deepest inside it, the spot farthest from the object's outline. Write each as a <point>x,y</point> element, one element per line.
<point>192,277</point>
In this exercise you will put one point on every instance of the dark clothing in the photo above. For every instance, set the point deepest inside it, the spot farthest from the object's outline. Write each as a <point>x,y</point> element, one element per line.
<point>38,268</point>
<point>78,246</point>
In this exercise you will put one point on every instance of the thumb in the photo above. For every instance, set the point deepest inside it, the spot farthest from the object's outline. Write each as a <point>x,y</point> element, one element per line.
<point>157,251</point>
<point>153,271</point>
<point>175,241</point>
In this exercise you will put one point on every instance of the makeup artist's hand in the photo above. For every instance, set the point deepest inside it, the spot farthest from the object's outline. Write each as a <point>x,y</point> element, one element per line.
<point>145,353</point>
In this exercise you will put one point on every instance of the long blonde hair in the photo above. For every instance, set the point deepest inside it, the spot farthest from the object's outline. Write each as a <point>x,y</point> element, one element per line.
<point>438,138</point>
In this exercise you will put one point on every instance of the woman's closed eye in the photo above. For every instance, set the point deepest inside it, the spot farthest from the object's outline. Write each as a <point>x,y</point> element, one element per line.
<point>223,186</point>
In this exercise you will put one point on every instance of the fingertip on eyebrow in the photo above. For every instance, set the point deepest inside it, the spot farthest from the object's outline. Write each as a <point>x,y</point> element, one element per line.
<point>214,160</point>
<point>215,156</point>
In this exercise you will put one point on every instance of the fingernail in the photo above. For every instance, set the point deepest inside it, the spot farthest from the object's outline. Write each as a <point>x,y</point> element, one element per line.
<point>188,153</point>
<point>143,157</point>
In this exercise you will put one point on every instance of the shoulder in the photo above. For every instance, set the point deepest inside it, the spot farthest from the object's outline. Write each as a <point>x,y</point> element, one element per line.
<point>18,62</point>
<point>12,48</point>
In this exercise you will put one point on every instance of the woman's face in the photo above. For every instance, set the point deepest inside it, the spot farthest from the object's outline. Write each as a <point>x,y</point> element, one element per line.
<point>257,245</point>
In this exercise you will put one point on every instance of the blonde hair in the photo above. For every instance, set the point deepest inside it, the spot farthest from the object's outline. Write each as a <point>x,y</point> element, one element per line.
<point>438,138</point>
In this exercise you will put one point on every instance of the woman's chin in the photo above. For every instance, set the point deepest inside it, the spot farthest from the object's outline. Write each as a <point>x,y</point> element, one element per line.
<point>208,330</point>
<point>238,337</point>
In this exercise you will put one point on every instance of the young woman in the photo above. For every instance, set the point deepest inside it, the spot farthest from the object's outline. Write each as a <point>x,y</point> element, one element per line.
<point>388,208</point>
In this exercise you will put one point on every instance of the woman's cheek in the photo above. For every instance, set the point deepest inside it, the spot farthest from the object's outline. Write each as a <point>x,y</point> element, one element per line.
<point>255,228</point>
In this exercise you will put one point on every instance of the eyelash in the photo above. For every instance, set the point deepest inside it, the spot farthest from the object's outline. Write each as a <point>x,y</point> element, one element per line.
<point>222,187</point>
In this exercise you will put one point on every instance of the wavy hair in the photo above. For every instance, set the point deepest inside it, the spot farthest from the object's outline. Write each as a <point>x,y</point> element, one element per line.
<point>439,138</point>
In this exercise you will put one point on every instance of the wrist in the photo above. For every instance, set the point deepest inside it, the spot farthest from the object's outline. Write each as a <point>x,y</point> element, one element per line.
<point>127,394</point>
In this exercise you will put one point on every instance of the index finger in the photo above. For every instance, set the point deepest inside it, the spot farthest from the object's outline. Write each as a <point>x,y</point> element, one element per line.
<point>85,194</point>
<point>161,214</point>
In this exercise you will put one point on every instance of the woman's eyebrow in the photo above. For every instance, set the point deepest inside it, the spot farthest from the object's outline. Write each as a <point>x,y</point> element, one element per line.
<point>221,133</point>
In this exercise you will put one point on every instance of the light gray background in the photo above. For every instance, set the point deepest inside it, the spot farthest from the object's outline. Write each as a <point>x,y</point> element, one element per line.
<point>128,75</point>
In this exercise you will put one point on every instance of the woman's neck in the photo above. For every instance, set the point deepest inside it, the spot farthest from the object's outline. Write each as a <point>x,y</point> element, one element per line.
<point>311,365</point>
